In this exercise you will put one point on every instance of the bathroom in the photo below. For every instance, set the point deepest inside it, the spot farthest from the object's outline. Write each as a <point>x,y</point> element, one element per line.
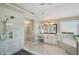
<point>40,33</point>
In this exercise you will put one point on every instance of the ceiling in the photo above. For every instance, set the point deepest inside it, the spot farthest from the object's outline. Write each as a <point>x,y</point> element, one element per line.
<point>35,8</point>
<point>50,10</point>
<point>44,11</point>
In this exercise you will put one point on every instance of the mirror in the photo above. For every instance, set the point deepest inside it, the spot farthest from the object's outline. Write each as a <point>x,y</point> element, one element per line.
<point>48,28</point>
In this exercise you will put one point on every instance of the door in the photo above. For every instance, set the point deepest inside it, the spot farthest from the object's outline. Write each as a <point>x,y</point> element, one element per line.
<point>28,33</point>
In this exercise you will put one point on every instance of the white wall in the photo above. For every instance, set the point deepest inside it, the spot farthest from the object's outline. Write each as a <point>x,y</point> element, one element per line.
<point>10,46</point>
<point>36,28</point>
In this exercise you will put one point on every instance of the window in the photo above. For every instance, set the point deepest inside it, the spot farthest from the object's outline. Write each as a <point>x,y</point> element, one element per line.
<point>68,27</point>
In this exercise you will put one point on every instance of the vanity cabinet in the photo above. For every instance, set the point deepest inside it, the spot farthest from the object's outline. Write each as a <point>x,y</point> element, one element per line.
<point>50,38</point>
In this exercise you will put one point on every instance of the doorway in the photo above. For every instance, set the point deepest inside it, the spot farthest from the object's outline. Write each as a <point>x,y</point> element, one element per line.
<point>28,32</point>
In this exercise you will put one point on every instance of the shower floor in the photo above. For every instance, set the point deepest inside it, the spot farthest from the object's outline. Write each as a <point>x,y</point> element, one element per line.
<point>43,48</point>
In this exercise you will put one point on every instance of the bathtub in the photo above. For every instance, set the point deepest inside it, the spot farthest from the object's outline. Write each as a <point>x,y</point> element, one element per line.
<point>68,43</point>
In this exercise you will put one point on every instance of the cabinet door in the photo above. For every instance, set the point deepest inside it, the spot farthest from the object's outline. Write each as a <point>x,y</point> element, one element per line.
<point>50,39</point>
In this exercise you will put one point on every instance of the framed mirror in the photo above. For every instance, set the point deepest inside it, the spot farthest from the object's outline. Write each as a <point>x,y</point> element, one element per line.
<point>48,28</point>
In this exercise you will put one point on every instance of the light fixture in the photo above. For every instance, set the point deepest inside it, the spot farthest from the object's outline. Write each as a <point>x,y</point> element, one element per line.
<point>27,22</point>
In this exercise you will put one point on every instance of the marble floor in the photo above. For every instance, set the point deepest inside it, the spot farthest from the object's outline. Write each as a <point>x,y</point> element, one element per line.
<point>44,49</point>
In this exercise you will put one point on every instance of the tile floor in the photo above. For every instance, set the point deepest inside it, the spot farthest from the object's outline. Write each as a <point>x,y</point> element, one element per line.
<point>45,49</point>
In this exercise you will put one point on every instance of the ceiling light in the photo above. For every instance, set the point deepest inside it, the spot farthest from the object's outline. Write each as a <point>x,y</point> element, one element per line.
<point>27,22</point>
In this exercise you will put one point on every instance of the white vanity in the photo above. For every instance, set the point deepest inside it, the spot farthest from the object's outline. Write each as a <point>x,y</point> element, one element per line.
<point>49,38</point>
